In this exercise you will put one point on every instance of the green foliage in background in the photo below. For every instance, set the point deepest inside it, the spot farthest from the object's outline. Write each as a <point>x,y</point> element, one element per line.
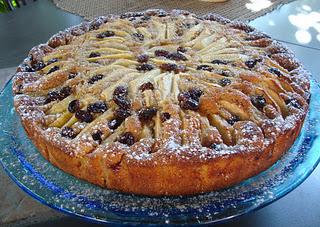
<point>4,6</point>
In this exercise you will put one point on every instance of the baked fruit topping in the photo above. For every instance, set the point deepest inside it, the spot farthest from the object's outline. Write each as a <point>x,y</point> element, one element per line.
<point>159,103</point>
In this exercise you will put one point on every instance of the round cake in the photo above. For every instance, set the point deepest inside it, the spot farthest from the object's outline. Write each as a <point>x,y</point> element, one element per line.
<point>158,103</point>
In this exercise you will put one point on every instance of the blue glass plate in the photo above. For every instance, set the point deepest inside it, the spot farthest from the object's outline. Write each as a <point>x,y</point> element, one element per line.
<point>59,190</point>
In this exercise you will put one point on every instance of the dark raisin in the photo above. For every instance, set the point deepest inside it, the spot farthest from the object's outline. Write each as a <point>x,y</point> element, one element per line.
<point>233,119</point>
<point>121,113</point>
<point>122,101</point>
<point>53,69</point>
<point>74,106</point>
<point>146,86</point>
<point>226,73</point>
<point>39,65</point>
<point>251,63</point>
<point>147,113</point>
<point>120,90</point>
<point>95,78</point>
<point>52,96</point>
<point>94,55</point>
<point>84,116</point>
<point>293,102</point>
<point>127,138</point>
<point>145,67</point>
<point>168,67</point>
<point>181,49</point>
<point>190,104</point>
<point>53,60</point>
<point>275,71</point>
<point>26,68</point>
<point>115,123</point>
<point>105,34</point>
<point>215,146</point>
<point>177,57</point>
<point>142,58</point>
<point>97,136</point>
<point>72,75</point>
<point>162,14</point>
<point>224,82</point>
<point>205,68</point>
<point>64,92</point>
<point>97,107</point>
<point>138,36</point>
<point>219,62</point>
<point>68,132</point>
<point>187,102</point>
<point>258,101</point>
<point>195,93</point>
<point>161,53</point>
<point>165,116</point>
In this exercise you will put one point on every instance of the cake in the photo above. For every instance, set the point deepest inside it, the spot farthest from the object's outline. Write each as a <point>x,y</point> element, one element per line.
<point>162,103</point>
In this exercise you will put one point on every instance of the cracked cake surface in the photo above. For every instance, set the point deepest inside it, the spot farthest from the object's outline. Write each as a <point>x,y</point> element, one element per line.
<point>162,103</point>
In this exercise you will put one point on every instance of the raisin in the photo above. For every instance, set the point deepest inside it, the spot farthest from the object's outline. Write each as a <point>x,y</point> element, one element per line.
<point>147,113</point>
<point>219,62</point>
<point>181,49</point>
<point>94,55</point>
<point>293,102</point>
<point>142,58</point>
<point>186,102</point>
<point>258,101</point>
<point>165,116</point>
<point>74,106</point>
<point>226,73</point>
<point>53,69</point>
<point>53,60</point>
<point>38,66</point>
<point>195,93</point>
<point>26,68</point>
<point>162,14</point>
<point>224,82</point>
<point>177,57</point>
<point>127,138</point>
<point>122,113</point>
<point>233,119</point>
<point>275,71</point>
<point>215,146</point>
<point>251,63</point>
<point>105,34</point>
<point>189,104</point>
<point>144,67</point>
<point>97,107</point>
<point>189,100</point>
<point>120,90</point>
<point>138,36</point>
<point>68,132</point>
<point>168,67</point>
<point>64,92</point>
<point>146,86</point>
<point>122,101</point>
<point>205,68</point>
<point>115,123</point>
<point>52,96</point>
<point>97,136</point>
<point>72,75</point>
<point>84,116</point>
<point>161,53</point>
<point>95,78</point>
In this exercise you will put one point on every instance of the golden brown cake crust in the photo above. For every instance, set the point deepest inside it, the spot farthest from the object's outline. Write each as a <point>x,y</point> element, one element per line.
<point>236,130</point>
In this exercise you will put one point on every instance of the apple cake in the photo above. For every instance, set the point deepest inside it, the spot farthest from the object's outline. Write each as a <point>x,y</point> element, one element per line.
<point>162,103</point>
